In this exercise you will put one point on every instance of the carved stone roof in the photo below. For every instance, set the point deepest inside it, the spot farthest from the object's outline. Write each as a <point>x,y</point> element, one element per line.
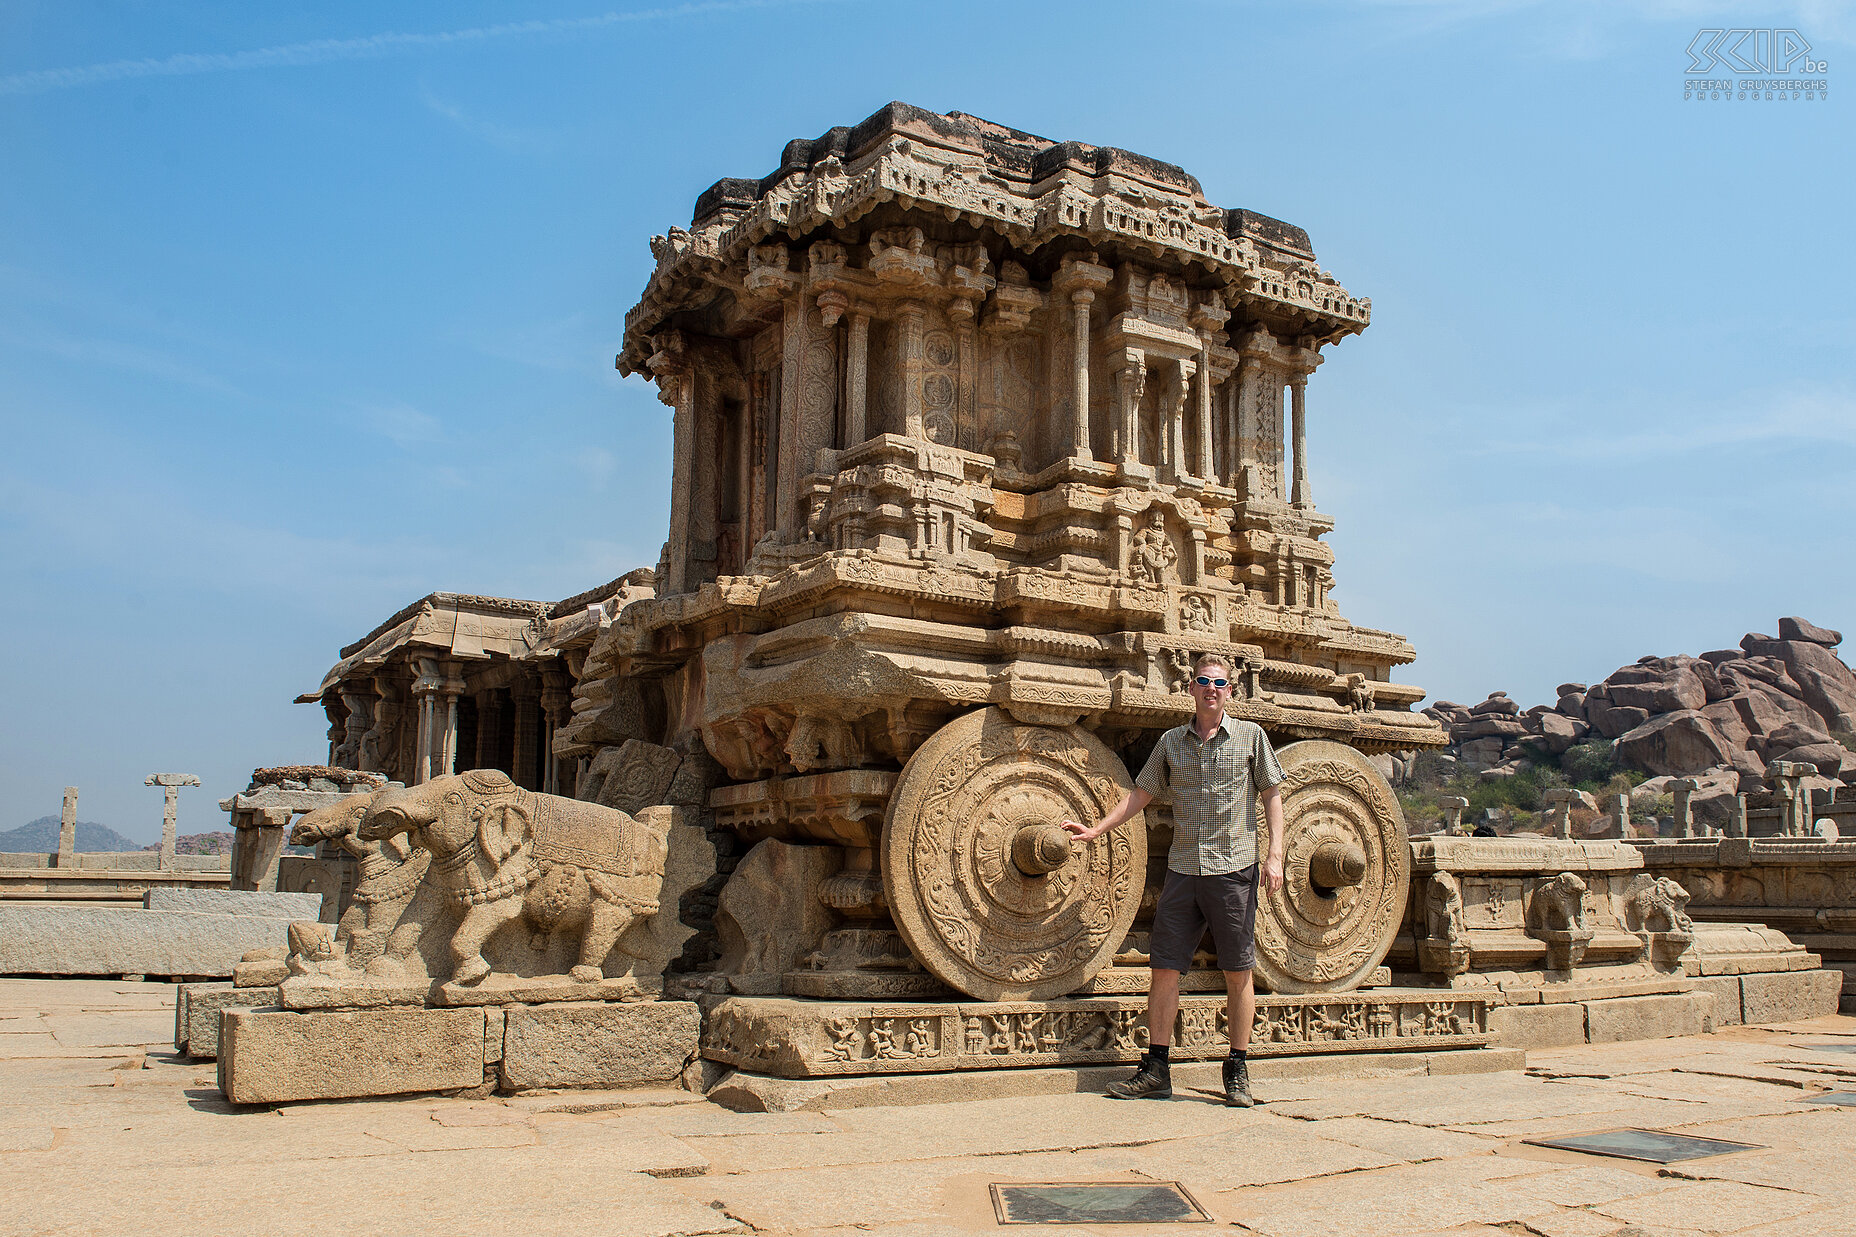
<point>1028,190</point>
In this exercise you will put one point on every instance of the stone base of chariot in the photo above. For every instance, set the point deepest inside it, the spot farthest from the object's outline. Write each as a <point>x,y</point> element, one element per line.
<point>272,1055</point>
<point>817,1039</point>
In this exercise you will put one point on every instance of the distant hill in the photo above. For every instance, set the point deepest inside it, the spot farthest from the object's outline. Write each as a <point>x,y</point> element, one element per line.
<point>217,843</point>
<point>41,835</point>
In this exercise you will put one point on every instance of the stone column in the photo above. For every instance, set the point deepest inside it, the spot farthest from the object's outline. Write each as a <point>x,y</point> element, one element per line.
<point>1736,826</point>
<point>1682,788</point>
<point>1080,301</point>
<point>792,383</point>
<point>451,688</point>
<point>524,696</point>
<point>271,835</point>
<point>1619,806</point>
<point>1298,493</point>
<point>1208,472</point>
<point>963,311</point>
<point>556,701</point>
<point>1175,427</point>
<point>1453,806</point>
<point>1561,798</point>
<point>1130,385</point>
<point>912,318</point>
<point>856,378</point>
<point>170,784</point>
<point>425,691</point>
<point>67,829</point>
<point>489,728</point>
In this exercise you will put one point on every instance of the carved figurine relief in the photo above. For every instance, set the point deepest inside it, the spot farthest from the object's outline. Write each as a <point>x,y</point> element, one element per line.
<point>1153,562</point>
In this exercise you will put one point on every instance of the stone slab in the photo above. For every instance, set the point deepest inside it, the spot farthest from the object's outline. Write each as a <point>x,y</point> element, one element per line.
<point>1726,990</point>
<point>235,902</point>
<point>119,940</point>
<point>1789,996</point>
<point>807,1039</point>
<point>1555,1025</point>
<point>746,1092</point>
<point>598,1044</point>
<point>196,1014</point>
<point>273,1056</point>
<point>1649,1017</point>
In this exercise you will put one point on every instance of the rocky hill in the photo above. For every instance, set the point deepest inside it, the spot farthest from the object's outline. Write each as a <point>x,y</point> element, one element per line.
<point>1721,717</point>
<point>41,836</point>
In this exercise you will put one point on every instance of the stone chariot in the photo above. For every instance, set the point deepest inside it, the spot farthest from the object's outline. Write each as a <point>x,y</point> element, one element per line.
<point>979,442</point>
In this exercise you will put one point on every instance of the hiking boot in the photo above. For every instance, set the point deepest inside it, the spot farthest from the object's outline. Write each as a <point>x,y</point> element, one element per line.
<point>1153,1081</point>
<point>1237,1084</point>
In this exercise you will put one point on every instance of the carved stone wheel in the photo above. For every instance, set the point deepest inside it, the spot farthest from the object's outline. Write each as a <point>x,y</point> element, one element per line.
<point>988,890</point>
<point>1346,866</point>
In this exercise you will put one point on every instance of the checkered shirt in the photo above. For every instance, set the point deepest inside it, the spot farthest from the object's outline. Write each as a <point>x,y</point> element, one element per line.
<point>1212,786</point>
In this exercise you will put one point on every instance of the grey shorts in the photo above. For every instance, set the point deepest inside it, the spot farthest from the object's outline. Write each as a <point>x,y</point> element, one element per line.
<point>1226,903</point>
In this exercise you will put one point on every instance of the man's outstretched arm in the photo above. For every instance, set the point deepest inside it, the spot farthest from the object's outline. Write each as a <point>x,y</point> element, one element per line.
<point>1131,804</point>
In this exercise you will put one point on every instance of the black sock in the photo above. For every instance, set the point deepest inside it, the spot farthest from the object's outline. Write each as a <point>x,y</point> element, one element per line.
<point>1158,1052</point>
<point>1238,1054</point>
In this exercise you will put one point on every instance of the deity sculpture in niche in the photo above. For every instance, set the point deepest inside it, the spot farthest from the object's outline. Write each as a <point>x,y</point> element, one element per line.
<point>1153,561</point>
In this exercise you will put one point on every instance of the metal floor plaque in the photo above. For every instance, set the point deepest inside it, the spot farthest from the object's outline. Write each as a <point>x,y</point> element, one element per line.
<point>1829,1047</point>
<point>1097,1202</point>
<point>1843,1099</point>
<point>1652,1145</point>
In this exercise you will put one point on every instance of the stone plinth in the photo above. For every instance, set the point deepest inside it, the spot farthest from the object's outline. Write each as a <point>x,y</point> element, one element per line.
<point>1803,887</point>
<point>113,940</point>
<point>270,1056</point>
<point>196,1014</point>
<point>807,1039</point>
<point>235,902</point>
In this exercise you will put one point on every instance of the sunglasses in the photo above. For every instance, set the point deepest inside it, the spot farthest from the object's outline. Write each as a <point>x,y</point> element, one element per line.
<point>1202,681</point>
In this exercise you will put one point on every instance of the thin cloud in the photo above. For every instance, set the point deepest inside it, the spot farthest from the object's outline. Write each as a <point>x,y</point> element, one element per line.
<point>369,47</point>
<point>402,424</point>
<point>507,138</point>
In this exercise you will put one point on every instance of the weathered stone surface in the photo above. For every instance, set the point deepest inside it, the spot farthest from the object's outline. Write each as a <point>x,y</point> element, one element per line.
<point>1649,1017</point>
<point>1789,996</point>
<point>769,915</point>
<point>791,1038</point>
<point>110,940</point>
<point>1795,628</point>
<point>1726,992</point>
<point>1833,760</point>
<point>1538,1026</point>
<point>235,902</point>
<point>1680,688</point>
<point>271,1056</point>
<point>1613,720</point>
<point>1675,743</point>
<point>598,1044</point>
<point>196,1014</point>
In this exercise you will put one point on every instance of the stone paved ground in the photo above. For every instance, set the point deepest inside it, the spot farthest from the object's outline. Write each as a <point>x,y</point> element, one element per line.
<point>103,1130</point>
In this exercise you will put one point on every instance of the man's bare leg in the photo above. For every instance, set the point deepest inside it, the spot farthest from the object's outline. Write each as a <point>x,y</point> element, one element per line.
<point>1240,1009</point>
<point>1240,1005</point>
<point>1162,1007</point>
<point>1154,1080</point>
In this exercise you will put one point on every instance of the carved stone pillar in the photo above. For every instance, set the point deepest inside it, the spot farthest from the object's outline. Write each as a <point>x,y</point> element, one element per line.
<point>525,697</point>
<point>676,388</point>
<point>856,378</point>
<point>425,692</point>
<point>450,689</point>
<point>963,313</point>
<point>1298,492</point>
<point>1208,470</point>
<point>912,319</point>
<point>1079,344</point>
<point>1130,385</point>
<point>556,703</point>
<point>792,381</point>
<point>489,729</point>
<point>1175,426</point>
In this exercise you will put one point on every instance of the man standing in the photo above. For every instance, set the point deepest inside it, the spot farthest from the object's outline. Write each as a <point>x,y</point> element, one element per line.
<point>1213,770</point>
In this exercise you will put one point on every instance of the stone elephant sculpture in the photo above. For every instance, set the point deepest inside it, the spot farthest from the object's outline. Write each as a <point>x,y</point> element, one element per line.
<point>391,872</point>
<point>502,852</point>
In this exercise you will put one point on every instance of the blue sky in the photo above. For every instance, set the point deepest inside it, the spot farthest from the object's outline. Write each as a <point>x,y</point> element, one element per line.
<point>308,310</point>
